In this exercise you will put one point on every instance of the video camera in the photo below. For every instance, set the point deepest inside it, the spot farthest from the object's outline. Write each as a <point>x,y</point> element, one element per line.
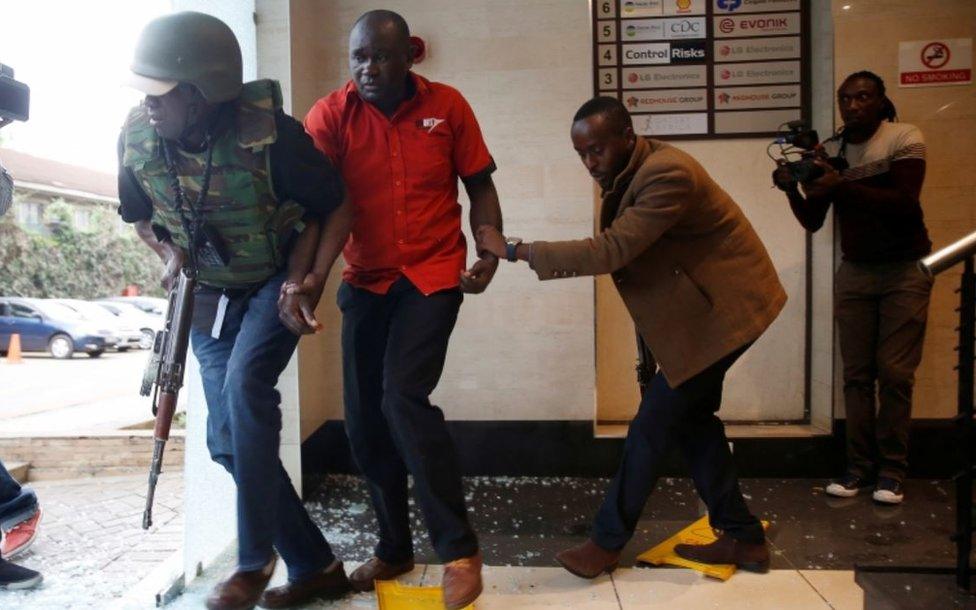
<point>14,96</point>
<point>799,148</point>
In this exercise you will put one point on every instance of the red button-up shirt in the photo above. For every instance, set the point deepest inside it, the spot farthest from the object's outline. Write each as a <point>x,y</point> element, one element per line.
<point>402,173</point>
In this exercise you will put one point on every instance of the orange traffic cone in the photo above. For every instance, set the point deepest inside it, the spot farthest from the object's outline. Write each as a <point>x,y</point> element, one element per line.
<point>13,350</point>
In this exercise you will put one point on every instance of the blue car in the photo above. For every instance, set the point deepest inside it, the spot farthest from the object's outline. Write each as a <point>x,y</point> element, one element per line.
<point>47,326</point>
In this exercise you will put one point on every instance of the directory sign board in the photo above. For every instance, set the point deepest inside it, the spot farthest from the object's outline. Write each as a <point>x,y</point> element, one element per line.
<point>704,68</point>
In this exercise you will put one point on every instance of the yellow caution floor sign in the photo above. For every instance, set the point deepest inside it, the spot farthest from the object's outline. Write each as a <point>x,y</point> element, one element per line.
<point>699,532</point>
<point>391,595</point>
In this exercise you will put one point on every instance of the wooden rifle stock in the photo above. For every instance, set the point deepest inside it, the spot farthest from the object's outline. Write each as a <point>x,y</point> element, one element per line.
<point>170,364</point>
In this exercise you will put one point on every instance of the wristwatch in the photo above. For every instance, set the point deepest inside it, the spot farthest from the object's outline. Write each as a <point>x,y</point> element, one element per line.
<point>511,244</point>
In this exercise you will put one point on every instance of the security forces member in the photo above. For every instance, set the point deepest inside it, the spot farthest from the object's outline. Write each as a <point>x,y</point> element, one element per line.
<point>213,172</point>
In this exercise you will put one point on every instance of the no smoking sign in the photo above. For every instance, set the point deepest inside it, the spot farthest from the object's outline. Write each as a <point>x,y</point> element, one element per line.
<point>930,63</point>
<point>935,55</point>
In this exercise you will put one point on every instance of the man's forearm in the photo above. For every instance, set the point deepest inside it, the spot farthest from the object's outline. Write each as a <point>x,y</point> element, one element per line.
<point>334,234</point>
<point>164,250</point>
<point>302,255</point>
<point>811,212</point>
<point>485,208</point>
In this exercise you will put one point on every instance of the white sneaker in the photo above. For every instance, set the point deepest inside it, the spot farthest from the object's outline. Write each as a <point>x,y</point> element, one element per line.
<point>888,491</point>
<point>847,486</point>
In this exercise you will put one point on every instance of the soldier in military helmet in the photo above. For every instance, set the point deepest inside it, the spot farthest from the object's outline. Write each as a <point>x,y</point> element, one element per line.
<point>216,176</point>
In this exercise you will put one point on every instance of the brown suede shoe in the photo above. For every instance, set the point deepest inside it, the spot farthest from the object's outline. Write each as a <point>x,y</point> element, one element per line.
<point>327,584</point>
<point>242,590</point>
<point>588,560</point>
<point>362,578</point>
<point>728,550</point>
<point>462,582</point>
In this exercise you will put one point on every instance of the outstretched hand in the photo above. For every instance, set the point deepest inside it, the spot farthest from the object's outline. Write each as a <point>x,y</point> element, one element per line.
<point>491,241</point>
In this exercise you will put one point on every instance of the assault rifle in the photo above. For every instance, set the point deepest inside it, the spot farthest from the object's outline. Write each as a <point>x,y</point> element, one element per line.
<point>164,375</point>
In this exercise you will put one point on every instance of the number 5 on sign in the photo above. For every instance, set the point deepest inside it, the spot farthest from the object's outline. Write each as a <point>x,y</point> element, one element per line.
<point>608,54</point>
<point>606,9</point>
<point>606,31</point>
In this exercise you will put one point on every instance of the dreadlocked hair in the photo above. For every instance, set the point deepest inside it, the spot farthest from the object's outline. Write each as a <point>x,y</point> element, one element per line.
<point>888,111</point>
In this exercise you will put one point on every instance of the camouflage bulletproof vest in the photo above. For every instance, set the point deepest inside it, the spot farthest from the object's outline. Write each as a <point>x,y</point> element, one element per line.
<point>240,203</point>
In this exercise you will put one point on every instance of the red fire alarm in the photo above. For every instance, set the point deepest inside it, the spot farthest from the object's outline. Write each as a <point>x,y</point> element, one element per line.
<point>420,49</point>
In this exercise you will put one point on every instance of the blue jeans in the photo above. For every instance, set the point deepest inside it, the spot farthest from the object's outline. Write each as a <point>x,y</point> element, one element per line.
<point>240,371</point>
<point>16,503</point>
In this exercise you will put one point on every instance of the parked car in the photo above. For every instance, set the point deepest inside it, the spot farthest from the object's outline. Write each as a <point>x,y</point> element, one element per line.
<point>127,313</point>
<point>151,305</point>
<point>129,335</point>
<point>45,325</point>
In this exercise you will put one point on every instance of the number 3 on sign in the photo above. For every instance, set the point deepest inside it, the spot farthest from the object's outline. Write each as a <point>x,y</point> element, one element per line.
<point>608,9</point>
<point>608,54</point>
<point>607,31</point>
<point>608,79</point>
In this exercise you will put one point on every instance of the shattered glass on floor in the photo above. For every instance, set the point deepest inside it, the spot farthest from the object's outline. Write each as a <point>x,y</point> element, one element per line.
<point>524,521</point>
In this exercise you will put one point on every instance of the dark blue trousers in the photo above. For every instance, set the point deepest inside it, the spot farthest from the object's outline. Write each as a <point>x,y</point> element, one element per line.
<point>682,416</point>
<point>393,352</point>
<point>240,370</point>
<point>16,503</point>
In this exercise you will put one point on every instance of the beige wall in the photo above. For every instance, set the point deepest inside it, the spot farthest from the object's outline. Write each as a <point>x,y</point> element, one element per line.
<point>523,350</point>
<point>947,118</point>
<point>526,350</point>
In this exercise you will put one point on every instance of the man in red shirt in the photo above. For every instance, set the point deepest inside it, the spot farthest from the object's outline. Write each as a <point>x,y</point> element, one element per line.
<point>401,142</point>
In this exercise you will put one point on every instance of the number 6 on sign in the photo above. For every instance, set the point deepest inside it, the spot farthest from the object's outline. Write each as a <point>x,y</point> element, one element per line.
<point>608,9</point>
<point>608,55</point>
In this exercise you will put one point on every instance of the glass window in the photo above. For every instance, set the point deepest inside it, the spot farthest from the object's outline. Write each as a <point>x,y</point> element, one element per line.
<point>22,311</point>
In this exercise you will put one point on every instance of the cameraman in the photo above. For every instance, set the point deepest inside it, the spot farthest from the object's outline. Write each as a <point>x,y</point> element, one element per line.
<point>881,295</point>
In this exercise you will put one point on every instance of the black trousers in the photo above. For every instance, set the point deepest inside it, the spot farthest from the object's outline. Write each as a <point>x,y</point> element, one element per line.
<point>685,416</point>
<point>393,349</point>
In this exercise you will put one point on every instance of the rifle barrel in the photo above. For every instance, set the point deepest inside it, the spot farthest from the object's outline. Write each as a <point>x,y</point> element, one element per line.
<point>154,469</point>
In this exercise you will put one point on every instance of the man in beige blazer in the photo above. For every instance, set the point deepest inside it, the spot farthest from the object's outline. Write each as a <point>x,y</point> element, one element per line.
<point>701,289</point>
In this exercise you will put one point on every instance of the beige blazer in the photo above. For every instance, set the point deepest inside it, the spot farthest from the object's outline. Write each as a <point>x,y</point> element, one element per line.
<point>691,270</point>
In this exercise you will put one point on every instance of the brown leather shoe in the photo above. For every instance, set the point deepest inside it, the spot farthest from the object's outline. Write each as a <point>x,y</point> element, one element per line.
<point>363,577</point>
<point>588,560</point>
<point>242,590</point>
<point>728,550</point>
<point>462,582</point>
<point>327,584</point>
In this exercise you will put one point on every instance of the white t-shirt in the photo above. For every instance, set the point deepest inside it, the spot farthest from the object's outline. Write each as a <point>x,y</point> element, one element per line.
<point>891,142</point>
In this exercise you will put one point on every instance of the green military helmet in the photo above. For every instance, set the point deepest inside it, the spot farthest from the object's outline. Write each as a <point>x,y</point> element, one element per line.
<point>188,47</point>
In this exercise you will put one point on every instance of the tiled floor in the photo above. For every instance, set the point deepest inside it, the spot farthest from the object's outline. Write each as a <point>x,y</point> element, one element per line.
<point>522,523</point>
<point>528,588</point>
<point>91,547</point>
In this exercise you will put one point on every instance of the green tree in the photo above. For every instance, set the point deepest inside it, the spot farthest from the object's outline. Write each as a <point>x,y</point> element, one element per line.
<point>88,264</point>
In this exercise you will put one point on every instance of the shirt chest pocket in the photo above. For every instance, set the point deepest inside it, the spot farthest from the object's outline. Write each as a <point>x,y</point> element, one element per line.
<point>429,156</point>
